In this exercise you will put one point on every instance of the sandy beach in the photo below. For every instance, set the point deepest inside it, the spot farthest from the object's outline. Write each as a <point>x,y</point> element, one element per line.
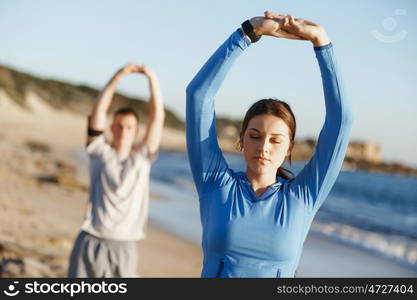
<point>43,198</point>
<point>42,202</point>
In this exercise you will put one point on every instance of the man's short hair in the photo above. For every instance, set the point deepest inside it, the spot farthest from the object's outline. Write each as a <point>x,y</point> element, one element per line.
<point>126,111</point>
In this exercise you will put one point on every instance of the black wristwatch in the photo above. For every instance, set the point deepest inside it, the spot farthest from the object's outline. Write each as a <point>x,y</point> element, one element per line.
<point>248,30</point>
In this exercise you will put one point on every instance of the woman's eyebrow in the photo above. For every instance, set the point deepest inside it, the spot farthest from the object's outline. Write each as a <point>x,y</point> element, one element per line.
<point>275,134</point>
<point>254,129</point>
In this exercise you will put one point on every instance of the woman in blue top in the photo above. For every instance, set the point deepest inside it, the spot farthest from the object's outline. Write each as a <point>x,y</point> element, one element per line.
<point>255,222</point>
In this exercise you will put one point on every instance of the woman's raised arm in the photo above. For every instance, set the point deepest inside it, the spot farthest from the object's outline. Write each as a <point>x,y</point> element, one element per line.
<point>315,181</point>
<point>206,159</point>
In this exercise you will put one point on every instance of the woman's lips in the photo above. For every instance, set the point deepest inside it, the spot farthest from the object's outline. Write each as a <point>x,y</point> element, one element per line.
<point>261,158</point>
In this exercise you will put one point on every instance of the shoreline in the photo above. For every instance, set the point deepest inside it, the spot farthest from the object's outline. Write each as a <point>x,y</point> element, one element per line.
<point>320,251</point>
<point>356,262</point>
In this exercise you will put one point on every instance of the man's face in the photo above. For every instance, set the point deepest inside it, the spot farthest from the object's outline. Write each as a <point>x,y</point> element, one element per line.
<point>124,129</point>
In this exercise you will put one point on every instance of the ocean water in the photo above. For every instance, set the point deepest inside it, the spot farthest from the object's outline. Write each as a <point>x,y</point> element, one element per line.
<point>377,212</point>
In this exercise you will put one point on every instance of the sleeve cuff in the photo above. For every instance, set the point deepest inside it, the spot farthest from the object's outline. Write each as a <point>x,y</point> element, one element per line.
<point>319,48</point>
<point>96,145</point>
<point>243,37</point>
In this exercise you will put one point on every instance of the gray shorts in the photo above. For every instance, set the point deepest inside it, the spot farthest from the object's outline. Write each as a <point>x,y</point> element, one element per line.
<point>95,257</point>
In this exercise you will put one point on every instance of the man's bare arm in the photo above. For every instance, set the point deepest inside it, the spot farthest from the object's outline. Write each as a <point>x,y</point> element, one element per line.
<point>156,113</point>
<point>97,120</point>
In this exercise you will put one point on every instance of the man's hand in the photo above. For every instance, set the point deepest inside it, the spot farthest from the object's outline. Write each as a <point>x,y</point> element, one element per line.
<point>128,69</point>
<point>146,71</point>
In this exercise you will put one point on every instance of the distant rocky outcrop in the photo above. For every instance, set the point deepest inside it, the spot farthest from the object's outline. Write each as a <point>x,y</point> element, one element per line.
<point>364,151</point>
<point>357,151</point>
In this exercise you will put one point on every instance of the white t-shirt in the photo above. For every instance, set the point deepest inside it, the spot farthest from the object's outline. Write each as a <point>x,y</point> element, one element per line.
<point>119,192</point>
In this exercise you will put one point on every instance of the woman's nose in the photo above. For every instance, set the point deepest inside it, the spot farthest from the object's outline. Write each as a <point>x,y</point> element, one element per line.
<point>263,146</point>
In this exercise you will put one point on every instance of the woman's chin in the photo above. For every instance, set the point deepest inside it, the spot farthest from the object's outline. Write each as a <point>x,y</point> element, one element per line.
<point>260,170</point>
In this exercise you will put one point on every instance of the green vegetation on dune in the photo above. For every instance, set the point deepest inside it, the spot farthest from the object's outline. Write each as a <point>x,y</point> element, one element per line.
<point>61,95</point>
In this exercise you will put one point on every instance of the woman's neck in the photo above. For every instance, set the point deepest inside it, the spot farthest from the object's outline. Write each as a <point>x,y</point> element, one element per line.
<point>260,182</point>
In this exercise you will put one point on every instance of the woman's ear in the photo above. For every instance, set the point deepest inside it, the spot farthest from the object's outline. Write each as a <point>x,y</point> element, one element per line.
<point>289,149</point>
<point>240,143</point>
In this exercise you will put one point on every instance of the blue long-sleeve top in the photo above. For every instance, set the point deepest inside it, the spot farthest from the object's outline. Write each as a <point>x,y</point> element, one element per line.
<point>245,235</point>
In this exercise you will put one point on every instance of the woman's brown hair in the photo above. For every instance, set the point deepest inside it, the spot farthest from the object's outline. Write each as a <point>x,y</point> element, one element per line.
<point>276,108</point>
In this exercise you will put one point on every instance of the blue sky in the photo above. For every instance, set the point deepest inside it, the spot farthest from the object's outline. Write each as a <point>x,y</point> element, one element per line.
<point>84,42</point>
